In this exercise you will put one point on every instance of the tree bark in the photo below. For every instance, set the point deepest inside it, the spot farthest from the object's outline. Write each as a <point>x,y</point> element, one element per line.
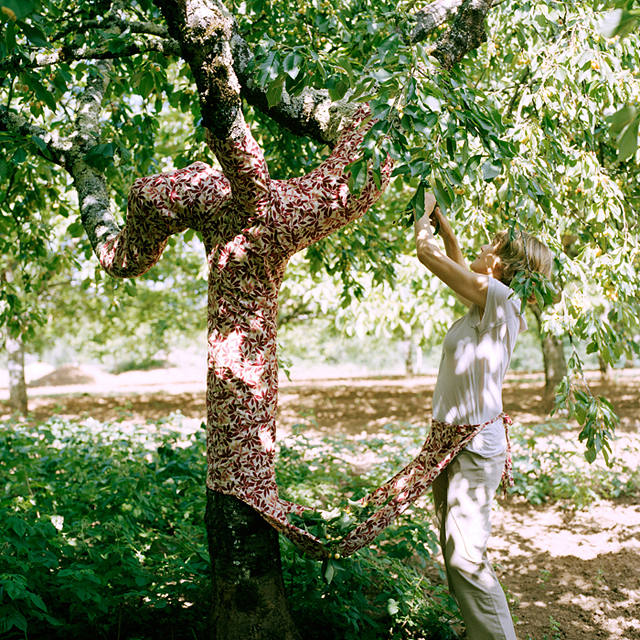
<point>555,363</point>
<point>17,383</point>
<point>409,369</point>
<point>249,600</point>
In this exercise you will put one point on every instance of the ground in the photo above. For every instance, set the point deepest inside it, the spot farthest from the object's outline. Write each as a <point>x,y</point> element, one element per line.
<point>570,574</point>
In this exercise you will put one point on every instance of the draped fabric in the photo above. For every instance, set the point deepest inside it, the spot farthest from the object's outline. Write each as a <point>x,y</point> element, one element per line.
<point>443,444</point>
<point>251,225</point>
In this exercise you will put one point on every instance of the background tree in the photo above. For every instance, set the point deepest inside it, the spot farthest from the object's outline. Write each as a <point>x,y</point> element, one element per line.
<point>514,134</point>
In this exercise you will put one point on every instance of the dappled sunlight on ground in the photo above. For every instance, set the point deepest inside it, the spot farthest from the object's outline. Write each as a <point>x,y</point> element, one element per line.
<point>571,575</point>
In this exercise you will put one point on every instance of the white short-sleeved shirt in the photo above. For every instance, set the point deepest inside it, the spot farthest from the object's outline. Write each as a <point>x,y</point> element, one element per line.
<point>475,357</point>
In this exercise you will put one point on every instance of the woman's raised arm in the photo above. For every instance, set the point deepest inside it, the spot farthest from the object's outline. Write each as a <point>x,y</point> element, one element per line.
<point>470,286</point>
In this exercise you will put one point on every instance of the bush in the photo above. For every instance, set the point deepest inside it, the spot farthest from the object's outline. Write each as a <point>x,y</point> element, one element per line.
<point>100,531</point>
<point>549,464</point>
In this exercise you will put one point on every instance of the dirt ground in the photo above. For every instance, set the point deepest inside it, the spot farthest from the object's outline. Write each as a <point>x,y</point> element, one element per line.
<point>570,575</point>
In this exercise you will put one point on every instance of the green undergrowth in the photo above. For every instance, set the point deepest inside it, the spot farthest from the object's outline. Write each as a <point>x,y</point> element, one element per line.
<point>392,589</point>
<point>549,465</point>
<point>101,529</point>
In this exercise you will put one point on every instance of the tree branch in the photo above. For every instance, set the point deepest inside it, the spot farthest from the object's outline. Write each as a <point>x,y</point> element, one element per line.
<point>313,114</point>
<point>57,148</point>
<point>205,29</point>
<point>205,34</point>
<point>150,28</point>
<point>465,34</point>
<point>93,196</point>
<point>168,47</point>
<point>308,114</point>
<point>431,17</point>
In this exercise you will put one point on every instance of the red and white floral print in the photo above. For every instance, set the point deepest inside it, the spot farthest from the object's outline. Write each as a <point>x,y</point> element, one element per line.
<point>444,442</point>
<point>251,226</point>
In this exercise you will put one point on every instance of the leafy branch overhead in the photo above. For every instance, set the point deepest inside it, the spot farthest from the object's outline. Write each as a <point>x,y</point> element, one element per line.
<point>203,27</point>
<point>518,115</point>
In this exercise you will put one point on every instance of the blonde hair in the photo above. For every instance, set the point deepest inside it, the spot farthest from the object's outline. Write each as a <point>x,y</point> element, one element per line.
<point>520,251</point>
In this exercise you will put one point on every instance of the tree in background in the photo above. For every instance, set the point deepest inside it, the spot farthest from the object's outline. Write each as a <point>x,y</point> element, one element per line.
<point>513,134</point>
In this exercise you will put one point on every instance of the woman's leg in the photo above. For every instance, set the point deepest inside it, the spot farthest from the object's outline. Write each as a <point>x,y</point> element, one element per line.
<point>463,494</point>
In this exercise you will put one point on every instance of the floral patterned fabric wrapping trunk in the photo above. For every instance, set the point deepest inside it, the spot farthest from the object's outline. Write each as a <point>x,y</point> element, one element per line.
<point>251,225</point>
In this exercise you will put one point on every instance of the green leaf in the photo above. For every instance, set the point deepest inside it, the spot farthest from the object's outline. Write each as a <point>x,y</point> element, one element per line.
<point>618,22</point>
<point>37,600</point>
<point>418,201</point>
<point>147,84</point>
<point>381,75</point>
<point>34,34</point>
<point>628,141</point>
<point>19,527</point>
<point>19,156</point>
<point>291,64</point>
<point>491,169</point>
<point>346,65</point>
<point>16,9</point>
<point>75,229</point>
<point>10,37</point>
<point>329,572</point>
<point>39,142</point>
<point>269,68</point>
<point>337,89</point>
<point>358,175</point>
<point>442,195</point>
<point>274,92</point>
<point>621,119</point>
<point>15,619</point>
<point>590,455</point>
<point>116,45</point>
<point>42,93</point>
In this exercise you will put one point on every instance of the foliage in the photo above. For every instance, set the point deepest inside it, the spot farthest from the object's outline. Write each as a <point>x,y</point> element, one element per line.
<point>547,465</point>
<point>101,530</point>
<point>517,135</point>
<point>383,590</point>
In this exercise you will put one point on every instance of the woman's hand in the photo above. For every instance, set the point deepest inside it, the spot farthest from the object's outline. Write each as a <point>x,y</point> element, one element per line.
<point>436,218</point>
<point>430,203</point>
<point>441,224</point>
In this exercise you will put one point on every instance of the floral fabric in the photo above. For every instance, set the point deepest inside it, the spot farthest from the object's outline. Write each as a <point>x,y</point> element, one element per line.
<point>443,444</point>
<point>251,225</point>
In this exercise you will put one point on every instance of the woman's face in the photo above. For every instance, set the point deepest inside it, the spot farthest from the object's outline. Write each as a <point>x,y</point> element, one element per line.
<point>488,262</point>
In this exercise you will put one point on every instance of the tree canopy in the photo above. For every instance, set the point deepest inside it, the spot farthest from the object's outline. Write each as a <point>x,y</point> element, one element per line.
<point>519,115</point>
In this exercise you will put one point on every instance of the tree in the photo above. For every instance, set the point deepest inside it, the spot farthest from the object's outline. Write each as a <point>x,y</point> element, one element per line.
<point>510,135</point>
<point>555,363</point>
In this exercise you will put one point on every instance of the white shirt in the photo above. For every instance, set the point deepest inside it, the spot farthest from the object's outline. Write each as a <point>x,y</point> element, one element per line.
<point>475,357</point>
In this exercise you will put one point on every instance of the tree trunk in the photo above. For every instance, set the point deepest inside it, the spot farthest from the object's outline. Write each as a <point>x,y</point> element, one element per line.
<point>17,383</point>
<point>408,361</point>
<point>555,364</point>
<point>249,600</point>
<point>606,370</point>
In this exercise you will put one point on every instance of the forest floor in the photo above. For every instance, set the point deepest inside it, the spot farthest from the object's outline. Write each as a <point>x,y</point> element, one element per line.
<point>570,574</point>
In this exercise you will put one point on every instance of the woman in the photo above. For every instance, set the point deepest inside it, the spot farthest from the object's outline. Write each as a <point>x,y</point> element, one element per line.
<point>475,357</point>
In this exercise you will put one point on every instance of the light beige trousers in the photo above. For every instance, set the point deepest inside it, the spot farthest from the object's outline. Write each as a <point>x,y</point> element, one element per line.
<point>462,495</point>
